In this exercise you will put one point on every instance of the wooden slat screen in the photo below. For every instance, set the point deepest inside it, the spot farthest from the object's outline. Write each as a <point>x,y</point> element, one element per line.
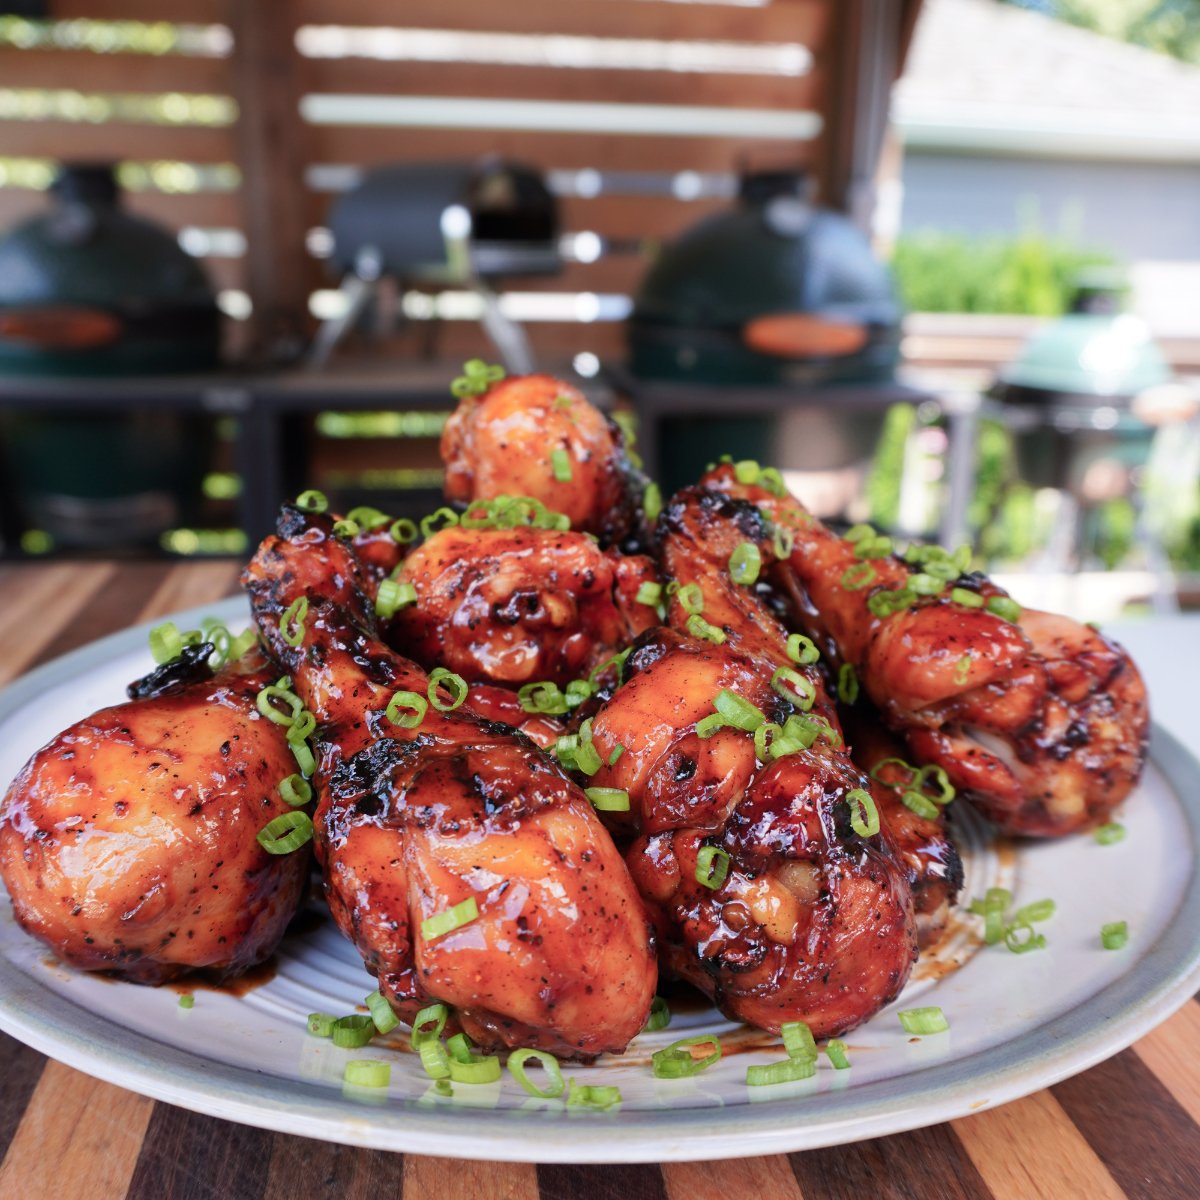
<point>374,82</point>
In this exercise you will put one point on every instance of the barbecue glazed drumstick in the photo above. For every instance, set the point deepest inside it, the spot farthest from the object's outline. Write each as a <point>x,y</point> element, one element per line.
<point>534,435</point>
<point>1038,720</point>
<point>129,843</point>
<point>416,818</point>
<point>813,921</point>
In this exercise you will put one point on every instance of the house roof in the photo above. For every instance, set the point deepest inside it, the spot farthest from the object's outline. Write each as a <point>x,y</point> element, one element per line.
<point>988,77</point>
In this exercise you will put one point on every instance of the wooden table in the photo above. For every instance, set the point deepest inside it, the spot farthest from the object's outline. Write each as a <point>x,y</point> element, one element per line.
<point>1130,1126</point>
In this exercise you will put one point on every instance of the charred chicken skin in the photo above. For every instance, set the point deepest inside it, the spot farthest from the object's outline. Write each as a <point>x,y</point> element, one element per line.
<point>812,921</point>
<point>415,819</point>
<point>514,606</point>
<point>534,435</point>
<point>1040,721</point>
<point>129,843</point>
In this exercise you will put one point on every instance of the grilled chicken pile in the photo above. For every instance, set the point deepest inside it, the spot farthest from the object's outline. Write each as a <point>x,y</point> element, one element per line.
<point>568,744</point>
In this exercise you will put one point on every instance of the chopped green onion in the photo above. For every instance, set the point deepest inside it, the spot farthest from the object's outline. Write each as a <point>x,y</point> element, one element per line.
<point>187,1000</point>
<point>649,593</point>
<point>435,1062</point>
<point>836,1049</point>
<point>1114,935</point>
<point>321,1024</point>
<point>366,1072</point>
<point>367,517</point>
<point>291,624</point>
<point>1108,834</point>
<point>241,643</point>
<point>273,692</point>
<point>739,713</point>
<point>925,584</point>
<point>860,532</point>
<point>434,1015</point>
<point>945,789</point>
<point>461,1048</point>
<point>802,650</point>
<point>770,479</point>
<point>873,547</point>
<point>864,816</point>
<point>783,541</point>
<point>798,1040</point>
<point>617,660</point>
<point>707,726</point>
<point>697,626</point>
<point>542,697</point>
<point>295,790</point>
<point>287,832</point>
<point>436,521</point>
<point>923,1020</point>
<point>1039,910</point>
<point>691,597</point>
<point>392,596</point>
<point>1018,945</point>
<point>919,804</point>
<point>476,378</point>
<point>857,577</point>
<point>560,464</point>
<point>676,1061</point>
<point>768,729</point>
<point>403,531</point>
<point>555,1083</point>
<point>578,690</point>
<point>606,799</point>
<point>966,597</point>
<point>592,1095</point>
<point>712,867</point>
<point>312,501</point>
<point>415,704</point>
<point>478,1070</point>
<point>618,750</point>
<point>166,642</point>
<point>1004,607</point>
<point>345,528</point>
<point>788,1071</point>
<point>450,919</point>
<point>652,501</point>
<point>303,756</point>
<point>353,1031</point>
<point>745,563</point>
<point>793,686</point>
<point>886,604</point>
<point>876,772</point>
<point>962,669</point>
<point>660,1016</point>
<point>381,1012</point>
<point>747,471</point>
<point>847,684</point>
<point>456,685</point>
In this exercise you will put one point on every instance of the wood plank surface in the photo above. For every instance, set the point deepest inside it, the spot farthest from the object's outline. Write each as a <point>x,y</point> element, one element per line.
<point>87,71</point>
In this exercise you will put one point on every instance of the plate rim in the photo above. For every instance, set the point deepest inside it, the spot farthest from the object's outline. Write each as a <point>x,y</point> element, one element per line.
<point>1158,982</point>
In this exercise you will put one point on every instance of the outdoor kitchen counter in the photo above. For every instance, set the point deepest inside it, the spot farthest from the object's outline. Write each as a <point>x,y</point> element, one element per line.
<point>1126,1127</point>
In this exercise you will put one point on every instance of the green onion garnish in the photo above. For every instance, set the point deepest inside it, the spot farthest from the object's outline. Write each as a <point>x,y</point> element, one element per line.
<point>240,644</point>
<point>966,597</point>
<point>618,750</point>
<point>303,756</point>
<point>649,593</point>
<point>393,595</point>
<point>859,533</point>
<point>925,584</point>
<point>592,1095</point>
<point>454,917</point>
<point>346,528</point>
<point>745,563</point>
<point>291,624</point>
<point>366,1072</point>
<point>187,1000</point>
<point>321,1024</point>
<point>606,799</point>
<point>353,1031</point>
<point>542,697</point>
<point>770,479</point>
<point>793,686</point>
<point>435,1062</point>
<point>735,711</point>
<point>747,471</point>
<point>555,1083</point>
<point>367,517</point>
<point>707,726</point>
<point>847,684</point>
<point>1114,935</point>
<point>1108,834</point>
<point>477,1070</point>
<point>945,789</point>
<point>802,650</point>
<point>864,816</point>
<point>381,1012</point>
<point>876,772</point>
<point>836,1049</point>
<point>652,501</point>
<point>1019,945</point>
<point>697,626</point>
<point>436,521</point>
<point>691,597</point>
<point>287,832</point>
<point>783,541</point>
<point>272,692</point>
<point>403,531</point>
<point>456,685</point>
<point>886,604</point>
<point>919,804</point>
<point>560,464</point>
<point>858,576</point>
<point>295,790</point>
<point>712,867</point>
<point>787,1071</point>
<point>1004,607</point>
<point>798,1040</point>
<point>461,1048</point>
<point>962,669</point>
<point>660,1016</point>
<point>1039,910</point>
<point>578,690</point>
<point>873,547</point>
<point>415,704</point>
<point>676,1061</point>
<point>923,1020</point>
<point>768,729</point>
<point>476,378</point>
<point>312,501</point>
<point>434,1016</point>
<point>166,642</point>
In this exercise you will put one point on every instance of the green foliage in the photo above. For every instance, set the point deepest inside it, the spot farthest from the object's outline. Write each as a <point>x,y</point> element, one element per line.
<point>952,272</point>
<point>887,467</point>
<point>1166,26</point>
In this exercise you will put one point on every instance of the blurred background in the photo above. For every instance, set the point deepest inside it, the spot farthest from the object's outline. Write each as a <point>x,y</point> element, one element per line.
<point>938,261</point>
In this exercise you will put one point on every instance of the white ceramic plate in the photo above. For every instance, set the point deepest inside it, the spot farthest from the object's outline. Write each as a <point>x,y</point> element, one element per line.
<point>1017,1022</point>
